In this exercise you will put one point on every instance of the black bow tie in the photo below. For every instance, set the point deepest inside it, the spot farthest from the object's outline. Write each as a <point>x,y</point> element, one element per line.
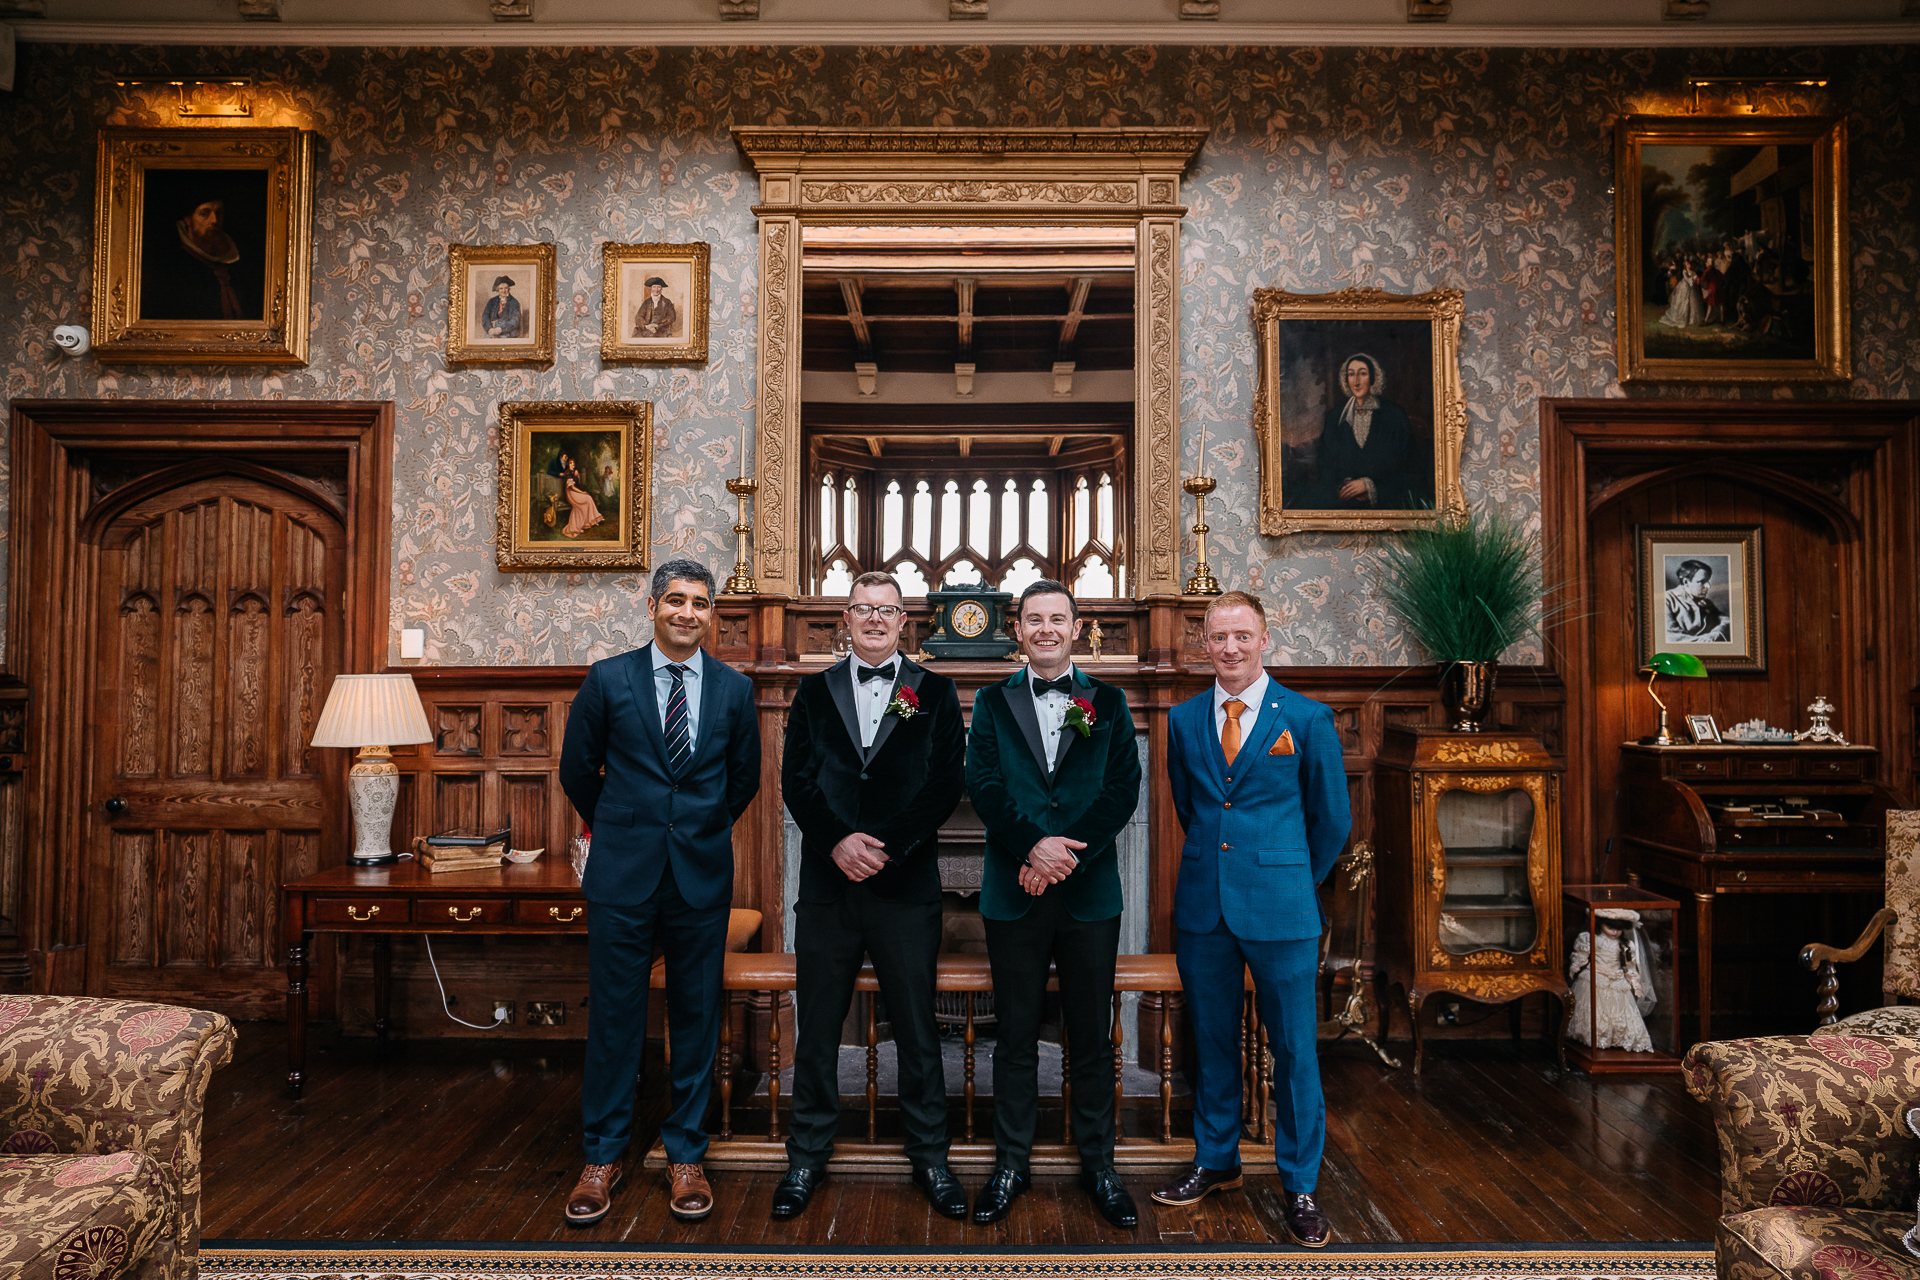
<point>1062,685</point>
<point>875,673</point>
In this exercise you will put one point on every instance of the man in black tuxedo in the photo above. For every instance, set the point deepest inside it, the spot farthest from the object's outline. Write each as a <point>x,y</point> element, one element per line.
<point>1054,772</point>
<point>873,766</point>
<point>678,738</point>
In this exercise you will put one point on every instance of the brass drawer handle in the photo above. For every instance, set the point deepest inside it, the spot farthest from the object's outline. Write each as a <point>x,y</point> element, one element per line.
<point>1741,876</point>
<point>371,913</point>
<point>472,914</point>
<point>1766,766</point>
<point>569,918</point>
<point>1699,766</point>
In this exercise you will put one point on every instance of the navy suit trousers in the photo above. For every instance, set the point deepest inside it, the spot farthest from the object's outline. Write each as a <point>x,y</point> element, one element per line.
<point>620,943</point>
<point>1212,969</point>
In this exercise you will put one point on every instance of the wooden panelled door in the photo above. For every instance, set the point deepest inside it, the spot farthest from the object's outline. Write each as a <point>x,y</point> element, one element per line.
<point>218,631</point>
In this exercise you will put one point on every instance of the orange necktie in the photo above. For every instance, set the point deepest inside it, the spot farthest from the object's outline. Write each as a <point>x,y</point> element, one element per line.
<point>1230,735</point>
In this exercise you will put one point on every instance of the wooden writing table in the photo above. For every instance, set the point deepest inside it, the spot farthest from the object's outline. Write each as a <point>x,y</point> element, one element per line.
<point>539,897</point>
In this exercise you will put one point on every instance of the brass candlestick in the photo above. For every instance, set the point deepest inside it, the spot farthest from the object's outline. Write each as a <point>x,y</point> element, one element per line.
<point>742,583</point>
<point>1202,583</point>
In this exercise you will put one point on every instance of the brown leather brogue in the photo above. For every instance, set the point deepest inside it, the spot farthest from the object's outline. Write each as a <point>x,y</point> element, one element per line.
<point>1305,1220</point>
<point>592,1194</point>
<point>688,1195</point>
<point>1196,1184</point>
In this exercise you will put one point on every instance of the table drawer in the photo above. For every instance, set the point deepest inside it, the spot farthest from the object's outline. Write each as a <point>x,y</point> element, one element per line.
<point>372,912</point>
<point>553,914</point>
<point>454,912</point>
<point>1826,769</point>
<point>1813,879</point>
<point>1681,768</point>
<point>1784,767</point>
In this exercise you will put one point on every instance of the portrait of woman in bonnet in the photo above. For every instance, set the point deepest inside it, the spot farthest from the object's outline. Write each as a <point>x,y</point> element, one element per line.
<point>1367,455</point>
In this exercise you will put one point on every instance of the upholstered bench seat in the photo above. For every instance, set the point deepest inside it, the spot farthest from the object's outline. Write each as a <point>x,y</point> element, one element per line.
<point>79,1217</point>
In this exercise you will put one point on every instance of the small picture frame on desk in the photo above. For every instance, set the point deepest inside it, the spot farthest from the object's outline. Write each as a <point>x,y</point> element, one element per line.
<point>1703,729</point>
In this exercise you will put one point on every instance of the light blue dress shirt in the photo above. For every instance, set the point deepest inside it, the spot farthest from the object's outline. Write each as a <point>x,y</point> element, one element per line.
<point>663,689</point>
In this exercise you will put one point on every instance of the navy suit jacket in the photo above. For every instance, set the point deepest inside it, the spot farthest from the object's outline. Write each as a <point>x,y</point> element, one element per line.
<point>1263,832</point>
<point>642,817</point>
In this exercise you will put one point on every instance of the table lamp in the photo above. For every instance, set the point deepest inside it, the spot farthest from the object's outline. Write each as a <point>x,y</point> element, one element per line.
<point>1669,664</point>
<point>373,713</point>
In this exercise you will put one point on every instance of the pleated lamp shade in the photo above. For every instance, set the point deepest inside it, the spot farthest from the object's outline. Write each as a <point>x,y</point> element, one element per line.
<point>372,711</point>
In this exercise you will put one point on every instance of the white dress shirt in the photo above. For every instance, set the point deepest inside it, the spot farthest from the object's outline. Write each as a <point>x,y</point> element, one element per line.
<point>870,697</point>
<point>1050,709</point>
<point>1254,696</point>
<point>663,689</point>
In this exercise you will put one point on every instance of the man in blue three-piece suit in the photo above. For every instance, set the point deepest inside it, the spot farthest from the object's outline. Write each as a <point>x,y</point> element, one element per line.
<point>678,738</point>
<point>1260,786</point>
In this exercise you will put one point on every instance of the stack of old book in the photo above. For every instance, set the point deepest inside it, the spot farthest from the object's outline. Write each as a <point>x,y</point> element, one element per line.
<point>463,849</point>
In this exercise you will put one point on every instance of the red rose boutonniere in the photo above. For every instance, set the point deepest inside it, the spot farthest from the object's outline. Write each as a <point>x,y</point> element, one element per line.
<point>905,704</point>
<point>1080,716</point>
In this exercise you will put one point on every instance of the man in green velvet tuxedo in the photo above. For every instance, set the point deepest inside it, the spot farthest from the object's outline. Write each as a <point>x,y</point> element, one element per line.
<point>1054,772</point>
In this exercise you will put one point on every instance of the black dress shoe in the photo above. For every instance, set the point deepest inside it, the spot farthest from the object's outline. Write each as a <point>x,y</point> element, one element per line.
<point>1111,1197</point>
<point>791,1196</point>
<point>996,1199</point>
<point>1304,1219</point>
<point>943,1189</point>
<point>1195,1184</point>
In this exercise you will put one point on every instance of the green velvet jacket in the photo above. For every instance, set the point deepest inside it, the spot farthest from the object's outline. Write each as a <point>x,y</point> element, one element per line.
<point>1090,795</point>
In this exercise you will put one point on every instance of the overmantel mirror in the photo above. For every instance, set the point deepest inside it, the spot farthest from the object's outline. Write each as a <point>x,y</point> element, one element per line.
<point>969,356</point>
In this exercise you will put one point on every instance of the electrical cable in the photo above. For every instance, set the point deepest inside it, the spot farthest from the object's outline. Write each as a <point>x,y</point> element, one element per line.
<point>443,992</point>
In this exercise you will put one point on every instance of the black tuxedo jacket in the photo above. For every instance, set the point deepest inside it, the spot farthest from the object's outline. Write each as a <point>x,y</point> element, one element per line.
<point>899,791</point>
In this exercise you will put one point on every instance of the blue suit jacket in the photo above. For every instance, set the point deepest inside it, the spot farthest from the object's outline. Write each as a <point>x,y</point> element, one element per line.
<point>642,816</point>
<point>1263,832</point>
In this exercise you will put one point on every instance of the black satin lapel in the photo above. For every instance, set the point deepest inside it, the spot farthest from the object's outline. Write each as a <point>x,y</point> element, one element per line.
<point>646,701</point>
<point>840,684</point>
<point>1020,702</point>
<point>910,677</point>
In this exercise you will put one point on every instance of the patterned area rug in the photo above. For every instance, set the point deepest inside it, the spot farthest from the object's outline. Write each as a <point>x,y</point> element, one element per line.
<point>253,1260</point>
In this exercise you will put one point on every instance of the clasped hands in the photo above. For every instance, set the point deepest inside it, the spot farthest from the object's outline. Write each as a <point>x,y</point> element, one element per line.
<point>859,856</point>
<point>1048,863</point>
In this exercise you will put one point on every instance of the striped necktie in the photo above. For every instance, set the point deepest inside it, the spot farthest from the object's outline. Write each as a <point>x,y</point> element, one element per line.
<point>679,728</point>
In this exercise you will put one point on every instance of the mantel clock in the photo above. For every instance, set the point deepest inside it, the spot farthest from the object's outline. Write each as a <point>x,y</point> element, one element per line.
<point>969,622</point>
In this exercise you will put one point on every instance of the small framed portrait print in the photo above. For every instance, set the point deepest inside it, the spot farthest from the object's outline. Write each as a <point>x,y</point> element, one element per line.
<point>574,485</point>
<point>1702,729</point>
<point>1701,592</point>
<point>654,302</point>
<point>500,304</point>
<point>203,240</point>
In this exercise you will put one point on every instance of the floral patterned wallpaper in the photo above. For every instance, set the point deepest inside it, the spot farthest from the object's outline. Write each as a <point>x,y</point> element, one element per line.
<point>1406,169</point>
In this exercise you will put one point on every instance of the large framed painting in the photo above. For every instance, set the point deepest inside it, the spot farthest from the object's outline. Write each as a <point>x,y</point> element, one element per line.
<point>1358,410</point>
<point>575,480</point>
<point>203,243</point>
<point>1732,235</point>
<point>1702,592</point>
<point>653,302</point>
<point>500,304</point>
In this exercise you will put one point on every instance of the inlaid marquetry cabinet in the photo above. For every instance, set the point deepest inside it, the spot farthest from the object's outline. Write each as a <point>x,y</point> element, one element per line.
<point>1467,842</point>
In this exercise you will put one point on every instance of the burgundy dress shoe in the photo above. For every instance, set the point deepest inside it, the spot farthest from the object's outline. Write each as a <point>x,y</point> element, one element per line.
<point>689,1198</point>
<point>1304,1219</point>
<point>592,1194</point>
<point>1196,1184</point>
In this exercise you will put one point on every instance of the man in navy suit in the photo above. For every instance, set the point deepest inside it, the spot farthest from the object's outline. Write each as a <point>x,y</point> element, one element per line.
<point>1260,786</point>
<point>677,737</point>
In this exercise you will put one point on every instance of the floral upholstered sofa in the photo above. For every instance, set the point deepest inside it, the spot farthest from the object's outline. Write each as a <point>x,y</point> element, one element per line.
<point>1817,1165</point>
<point>100,1105</point>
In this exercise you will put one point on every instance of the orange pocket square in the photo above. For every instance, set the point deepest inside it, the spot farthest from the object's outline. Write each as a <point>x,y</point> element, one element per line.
<point>1284,746</point>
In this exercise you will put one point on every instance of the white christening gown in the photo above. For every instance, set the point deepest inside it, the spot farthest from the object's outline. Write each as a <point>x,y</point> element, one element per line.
<point>1613,993</point>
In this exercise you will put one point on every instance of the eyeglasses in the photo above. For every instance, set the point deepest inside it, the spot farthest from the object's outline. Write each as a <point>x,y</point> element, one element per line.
<point>864,611</point>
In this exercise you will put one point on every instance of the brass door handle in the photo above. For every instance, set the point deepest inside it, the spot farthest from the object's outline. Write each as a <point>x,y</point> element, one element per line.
<point>473,914</point>
<point>371,913</point>
<point>569,918</point>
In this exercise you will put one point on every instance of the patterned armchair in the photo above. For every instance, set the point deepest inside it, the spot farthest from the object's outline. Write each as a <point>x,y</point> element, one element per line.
<point>1817,1166</point>
<point>100,1106</point>
<point>1900,919</point>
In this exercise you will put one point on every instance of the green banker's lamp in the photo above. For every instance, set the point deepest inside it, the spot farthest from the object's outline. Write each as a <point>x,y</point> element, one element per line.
<point>1669,664</point>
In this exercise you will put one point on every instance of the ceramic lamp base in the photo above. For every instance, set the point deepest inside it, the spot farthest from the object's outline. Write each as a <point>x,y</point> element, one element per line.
<point>373,789</point>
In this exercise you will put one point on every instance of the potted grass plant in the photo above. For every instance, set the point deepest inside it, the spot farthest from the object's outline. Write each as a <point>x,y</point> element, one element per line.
<point>1467,591</point>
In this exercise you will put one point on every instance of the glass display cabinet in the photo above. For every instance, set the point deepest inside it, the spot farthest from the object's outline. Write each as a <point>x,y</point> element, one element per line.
<point>1621,943</point>
<point>1468,833</point>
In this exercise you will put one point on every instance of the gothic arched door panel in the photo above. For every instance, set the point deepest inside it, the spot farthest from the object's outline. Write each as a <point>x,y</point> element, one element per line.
<point>217,632</point>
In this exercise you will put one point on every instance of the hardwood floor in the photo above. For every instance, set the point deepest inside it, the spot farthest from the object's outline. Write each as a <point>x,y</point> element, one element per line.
<point>460,1140</point>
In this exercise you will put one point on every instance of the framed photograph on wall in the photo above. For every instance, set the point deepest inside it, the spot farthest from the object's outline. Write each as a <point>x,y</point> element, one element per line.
<point>653,302</point>
<point>203,244</point>
<point>500,304</point>
<point>1358,411</point>
<point>574,485</point>
<point>1732,244</point>
<point>1701,592</point>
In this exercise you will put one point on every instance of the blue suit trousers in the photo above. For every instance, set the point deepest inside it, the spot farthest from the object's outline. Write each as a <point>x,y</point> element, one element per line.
<point>1212,968</point>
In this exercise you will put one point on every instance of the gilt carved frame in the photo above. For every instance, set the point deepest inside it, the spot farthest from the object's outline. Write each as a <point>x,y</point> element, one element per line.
<point>971,177</point>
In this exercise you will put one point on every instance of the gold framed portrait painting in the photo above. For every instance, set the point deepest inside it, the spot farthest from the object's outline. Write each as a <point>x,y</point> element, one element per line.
<point>653,303</point>
<point>1732,236</point>
<point>500,304</point>
<point>1358,412</point>
<point>574,484</point>
<point>203,241</point>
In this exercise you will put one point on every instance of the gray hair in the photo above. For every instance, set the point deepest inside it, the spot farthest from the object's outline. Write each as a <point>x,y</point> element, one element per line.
<point>684,569</point>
